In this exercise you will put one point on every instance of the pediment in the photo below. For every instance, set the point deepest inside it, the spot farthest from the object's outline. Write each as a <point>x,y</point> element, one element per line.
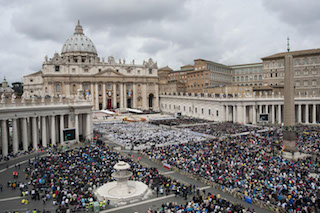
<point>108,72</point>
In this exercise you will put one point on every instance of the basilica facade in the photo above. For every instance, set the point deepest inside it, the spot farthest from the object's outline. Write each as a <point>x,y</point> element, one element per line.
<point>111,84</point>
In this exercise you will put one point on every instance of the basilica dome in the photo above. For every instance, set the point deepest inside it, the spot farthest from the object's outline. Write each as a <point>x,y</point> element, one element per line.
<point>79,43</point>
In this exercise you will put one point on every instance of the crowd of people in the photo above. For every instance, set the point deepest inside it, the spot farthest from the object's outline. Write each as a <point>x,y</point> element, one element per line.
<point>222,129</point>
<point>204,203</point>
<point>245,164</point>
<point>178,121</point>
<point>142,135</point>
<point>308,139</point>
<point>68,178</point>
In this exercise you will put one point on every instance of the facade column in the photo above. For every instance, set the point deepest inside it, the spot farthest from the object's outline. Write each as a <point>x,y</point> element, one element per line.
<point>24,134</point>
<point>44,131</point>
<point>272,113</point>
<point>35,133</point>
<point>67,85</point>
<point>61,128</point>
<point>15,144</point>
<point>144,96</point>
<point>299,113</point>
<point>121,96</point>
<point>156,100</point>
<point>104,101</point>
<point>114,96</point>
<point>4,137</point>
<point>314,112</point>
<point>260,109</point>
<point>254,114</point>
<point>96,107</point>
<point>279,114</point>
<point>307,113</point>
<point>76,118</point>
<point>92,95</point>
<point>125,96</point>
<point>53,130</point>
<point>134,95</point>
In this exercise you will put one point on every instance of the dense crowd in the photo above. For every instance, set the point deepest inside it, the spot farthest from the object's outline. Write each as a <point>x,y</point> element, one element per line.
<point>308,139</point>
<point>244,164</point>
<point>222,129</point>
<point>68,178</point>
<point>178,121</point>
<point>142,135</point>
<point>204,203</point>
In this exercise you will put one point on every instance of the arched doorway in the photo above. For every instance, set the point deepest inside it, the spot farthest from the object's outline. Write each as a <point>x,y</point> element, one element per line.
<point>150,100</point>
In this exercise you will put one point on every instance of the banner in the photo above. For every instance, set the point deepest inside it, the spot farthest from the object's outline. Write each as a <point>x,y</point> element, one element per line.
<point>167,166</point>
<point>248,199</point>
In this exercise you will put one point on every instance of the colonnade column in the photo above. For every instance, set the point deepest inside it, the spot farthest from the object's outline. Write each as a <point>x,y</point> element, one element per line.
<point>4,137</point>
<point>227,113</point>
<point>234,113</point>
<point>279,114</point>
<point>53,130</point>
<point>314,112</point>
<point>272,113</point>
<point>254,114</point>
<point>299,113</point>
<point>88,127</point>
<point>104,101</point>
<point>24,134</point>
<point>114,93</point>
<point>307,113</point>
<point>15,144</point>
<point>34,133</point>
<point>97,97</point>
<point>44,131</point>
<point>76,119</point>
<point>61,128</point>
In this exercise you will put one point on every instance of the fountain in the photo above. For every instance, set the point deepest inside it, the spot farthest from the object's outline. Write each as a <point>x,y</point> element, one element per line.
<point>122,190</point>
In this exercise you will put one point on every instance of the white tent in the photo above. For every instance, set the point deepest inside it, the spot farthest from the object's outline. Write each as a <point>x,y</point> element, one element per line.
<point>134,110</point>
<point>108,112</point>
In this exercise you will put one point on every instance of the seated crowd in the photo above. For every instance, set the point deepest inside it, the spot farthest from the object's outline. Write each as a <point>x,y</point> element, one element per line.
<point>222,129</point>
<point>141,135</point>
<point>178,121</point>
<point>245,164</point>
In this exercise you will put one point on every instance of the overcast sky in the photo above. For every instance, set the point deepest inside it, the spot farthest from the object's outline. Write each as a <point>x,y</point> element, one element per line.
<point>172,32</point>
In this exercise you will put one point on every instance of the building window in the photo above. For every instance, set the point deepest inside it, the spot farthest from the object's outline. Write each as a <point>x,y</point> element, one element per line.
<point>314,82</point>
<point>57,68</point>
<point>31,80</point>
<point>217,113</point>
<point>297,83</point>
<point>58,88</point>
<point>86,86</point>
<point>150,71</point>
<point>73,70</point>
<point>99,70</point>
<point>195,110</point>
<point>305,83</point>
<point>138,71</point>
<point>202,111</point>
<point>209,112</point>
<point>99,87</point>
<point>184,108</point>
<point>86,70</point>
<point>150,87</point>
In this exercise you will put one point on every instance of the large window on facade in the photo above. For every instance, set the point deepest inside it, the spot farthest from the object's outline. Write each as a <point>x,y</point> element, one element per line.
<point>57,68</point>
<point>58,88</point>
